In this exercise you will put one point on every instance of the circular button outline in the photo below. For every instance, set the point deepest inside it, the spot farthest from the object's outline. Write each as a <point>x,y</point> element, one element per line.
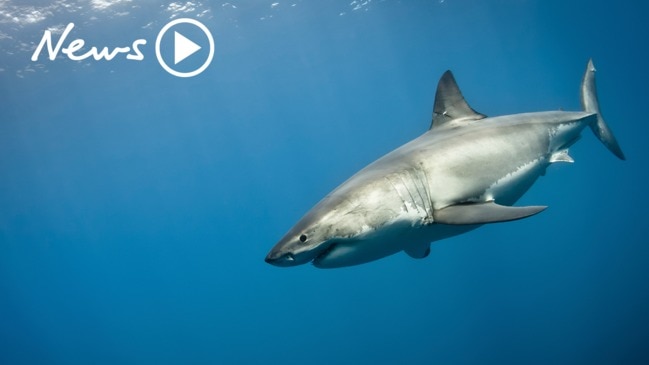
<point>195,23</point>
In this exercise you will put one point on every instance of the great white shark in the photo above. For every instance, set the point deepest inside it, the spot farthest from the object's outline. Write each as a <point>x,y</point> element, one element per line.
<point>465,171</point>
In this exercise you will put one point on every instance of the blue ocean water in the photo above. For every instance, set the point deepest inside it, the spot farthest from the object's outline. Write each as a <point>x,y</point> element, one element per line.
<point>136,207</point>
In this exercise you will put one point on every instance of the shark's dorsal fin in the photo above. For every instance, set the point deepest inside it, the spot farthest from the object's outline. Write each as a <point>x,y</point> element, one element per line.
<point>450,104</point>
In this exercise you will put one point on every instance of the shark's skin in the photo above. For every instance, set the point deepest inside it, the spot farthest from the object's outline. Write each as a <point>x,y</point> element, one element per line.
<point>465,171</point>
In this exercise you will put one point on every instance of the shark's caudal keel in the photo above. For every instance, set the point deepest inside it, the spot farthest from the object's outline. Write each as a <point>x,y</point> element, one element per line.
<point>465,171</point>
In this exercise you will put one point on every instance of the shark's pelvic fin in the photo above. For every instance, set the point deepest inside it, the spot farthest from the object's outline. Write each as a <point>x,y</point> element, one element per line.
<point>481,213</point>
<point>590,104</point>
<point>418,251</point>
<point>450,104</point>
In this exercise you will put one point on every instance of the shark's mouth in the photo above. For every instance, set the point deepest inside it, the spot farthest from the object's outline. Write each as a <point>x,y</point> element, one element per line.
<point>322,255</point>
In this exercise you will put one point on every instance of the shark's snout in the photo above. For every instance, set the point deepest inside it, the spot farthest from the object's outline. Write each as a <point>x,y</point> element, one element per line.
<point>281,259</point>
<point>294,251</point>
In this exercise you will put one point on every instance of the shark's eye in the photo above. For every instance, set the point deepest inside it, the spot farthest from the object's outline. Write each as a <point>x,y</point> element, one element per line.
<point>303,238</point>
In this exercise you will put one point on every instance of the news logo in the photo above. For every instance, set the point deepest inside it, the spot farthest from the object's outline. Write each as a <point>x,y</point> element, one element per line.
<point>179,46</point>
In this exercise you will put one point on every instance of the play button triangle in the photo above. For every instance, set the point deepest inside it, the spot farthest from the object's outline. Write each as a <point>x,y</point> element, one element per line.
<point>183,47</point>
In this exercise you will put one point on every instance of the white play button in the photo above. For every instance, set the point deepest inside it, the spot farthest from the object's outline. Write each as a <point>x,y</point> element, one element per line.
<point>183,47</point>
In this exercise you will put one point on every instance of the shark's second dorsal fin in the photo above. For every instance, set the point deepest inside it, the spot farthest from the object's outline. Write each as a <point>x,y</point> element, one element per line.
<point>450,104</point>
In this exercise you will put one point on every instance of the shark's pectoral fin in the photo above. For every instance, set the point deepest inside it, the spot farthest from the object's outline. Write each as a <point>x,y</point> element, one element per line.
<point>481,213</point>
<point>418,251</point>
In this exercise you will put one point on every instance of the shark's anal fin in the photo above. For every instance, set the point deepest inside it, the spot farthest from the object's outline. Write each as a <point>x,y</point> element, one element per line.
<point>561,156</point>
<point>418,251</point>
<point>481,213</point>
<point>450,104</point>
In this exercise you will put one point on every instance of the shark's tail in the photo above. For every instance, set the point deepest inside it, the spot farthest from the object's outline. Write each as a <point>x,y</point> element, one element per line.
<point>590,104</point>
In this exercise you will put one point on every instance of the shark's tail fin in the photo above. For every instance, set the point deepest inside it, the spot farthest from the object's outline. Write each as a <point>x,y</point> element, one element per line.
<point>590,104</point>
